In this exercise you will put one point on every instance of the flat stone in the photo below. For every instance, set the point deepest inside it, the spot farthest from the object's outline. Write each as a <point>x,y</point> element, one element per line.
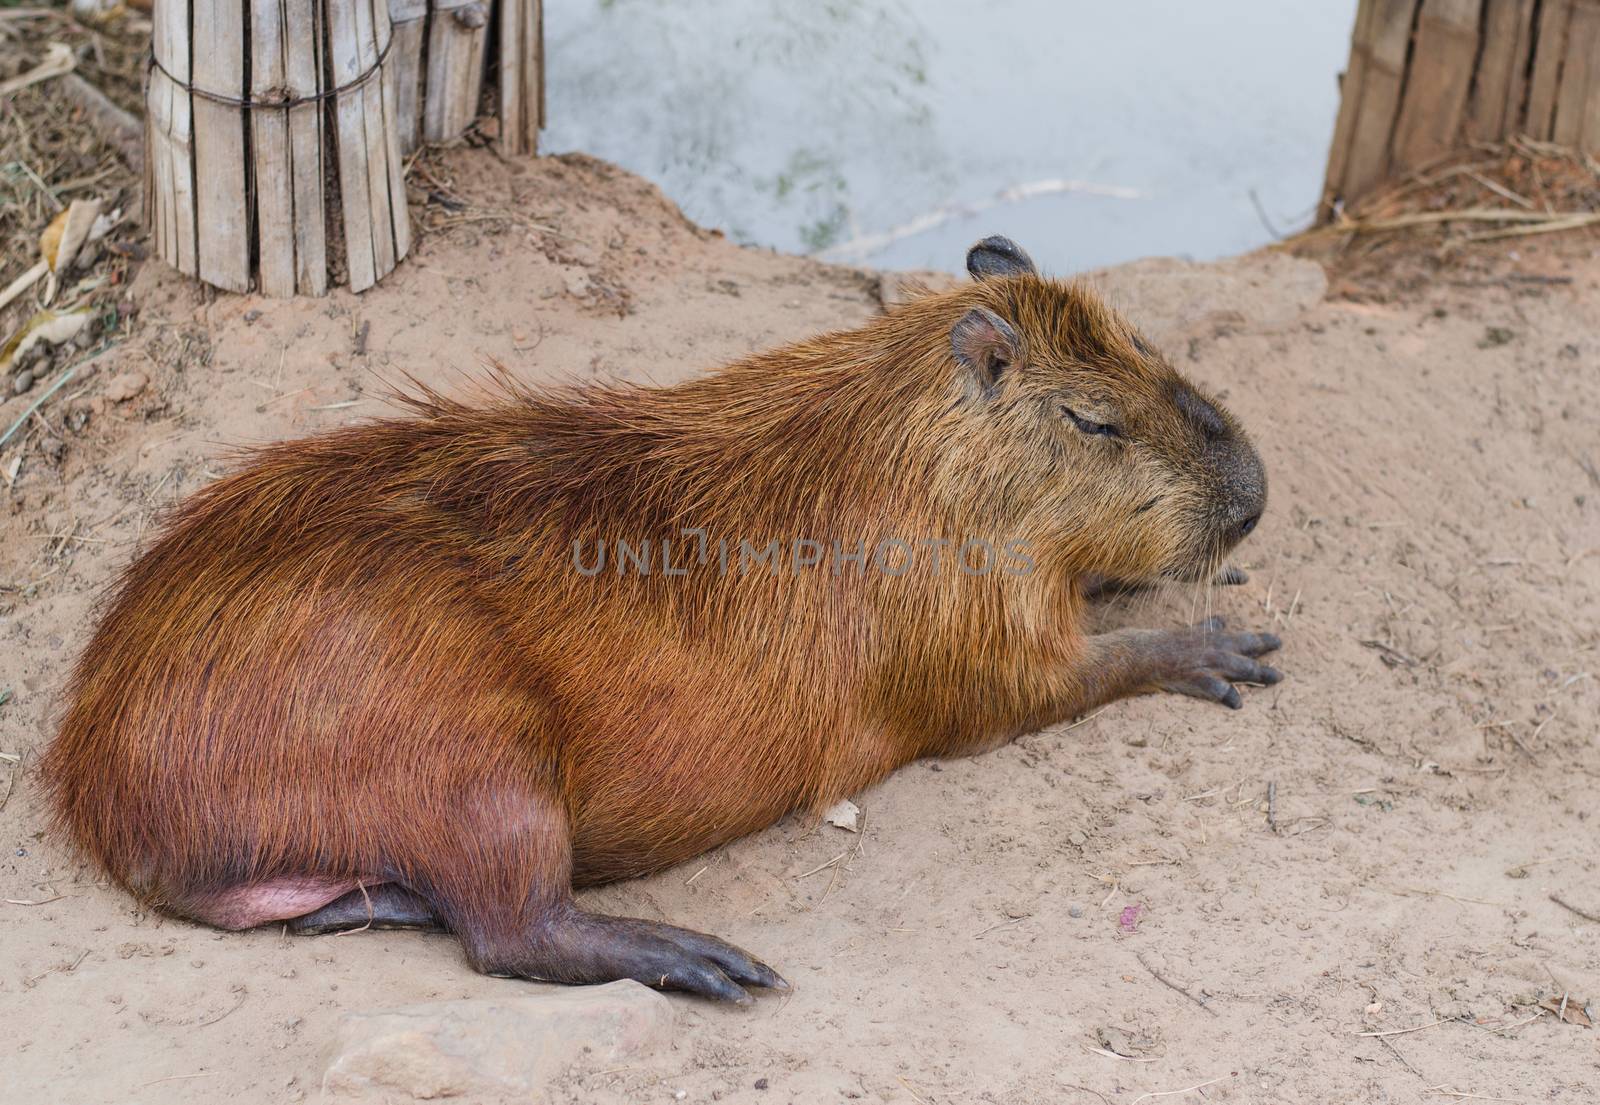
<point>516,1045</point>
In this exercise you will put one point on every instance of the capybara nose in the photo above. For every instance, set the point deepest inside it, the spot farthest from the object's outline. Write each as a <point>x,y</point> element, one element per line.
<point>1240,530</point>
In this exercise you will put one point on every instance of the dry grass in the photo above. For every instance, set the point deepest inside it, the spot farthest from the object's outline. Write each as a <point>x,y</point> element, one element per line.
<point>1461,219</point>
<point>48,156</point>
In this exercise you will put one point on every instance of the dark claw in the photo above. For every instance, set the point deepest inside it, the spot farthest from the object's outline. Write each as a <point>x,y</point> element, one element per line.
<point>1231,577</point>
<point>1205,662</point>
<point>1257,644</point>
<point>578,947</point>
<point>1219,690</point>
<point>702,979</point>
<point>737,964</point>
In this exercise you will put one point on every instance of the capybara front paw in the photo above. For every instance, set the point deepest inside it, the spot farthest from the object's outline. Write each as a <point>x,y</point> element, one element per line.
<point>1206,661</point>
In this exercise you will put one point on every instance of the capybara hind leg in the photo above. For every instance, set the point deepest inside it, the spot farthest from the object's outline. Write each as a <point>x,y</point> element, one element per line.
<point>386,906</point>
<point>577,947</point>
<point>501,880</point>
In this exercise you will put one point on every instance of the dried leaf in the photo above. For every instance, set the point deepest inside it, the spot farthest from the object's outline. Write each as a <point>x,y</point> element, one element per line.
<point>49,327</point>
<point>844,815</point>
<point>64,237</point>
<point>1569,1009</point>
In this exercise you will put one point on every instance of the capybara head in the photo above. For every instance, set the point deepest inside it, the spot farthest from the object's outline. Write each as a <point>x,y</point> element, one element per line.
<point>1071,420</point>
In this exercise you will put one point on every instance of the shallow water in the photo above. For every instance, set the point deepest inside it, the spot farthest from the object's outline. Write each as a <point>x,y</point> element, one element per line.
<point>895,133</point>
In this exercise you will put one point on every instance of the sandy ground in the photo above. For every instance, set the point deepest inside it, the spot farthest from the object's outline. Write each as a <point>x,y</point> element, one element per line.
<point>1108,911</point>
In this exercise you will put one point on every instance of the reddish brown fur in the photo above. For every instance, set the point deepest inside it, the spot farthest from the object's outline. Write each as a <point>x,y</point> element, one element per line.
<point>368,657</point>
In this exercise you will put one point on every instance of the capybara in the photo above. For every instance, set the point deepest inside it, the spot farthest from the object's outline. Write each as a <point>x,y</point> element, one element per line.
<point>438,670</point>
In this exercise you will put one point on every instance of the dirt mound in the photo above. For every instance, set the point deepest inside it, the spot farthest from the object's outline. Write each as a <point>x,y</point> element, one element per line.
<point>1343,892</point>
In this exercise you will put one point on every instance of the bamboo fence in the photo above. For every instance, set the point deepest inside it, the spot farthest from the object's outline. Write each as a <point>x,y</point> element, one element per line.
<point>277,130</point>
<point>1428,76</point>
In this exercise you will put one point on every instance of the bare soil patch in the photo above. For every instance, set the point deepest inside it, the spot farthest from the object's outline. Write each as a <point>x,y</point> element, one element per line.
<point>1346,891</point>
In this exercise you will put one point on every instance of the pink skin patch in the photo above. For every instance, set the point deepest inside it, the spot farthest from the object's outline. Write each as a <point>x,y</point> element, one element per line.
<point>245,907</point>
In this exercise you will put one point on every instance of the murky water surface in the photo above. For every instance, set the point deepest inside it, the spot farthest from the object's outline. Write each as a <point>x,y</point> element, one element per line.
<point>895,132</point>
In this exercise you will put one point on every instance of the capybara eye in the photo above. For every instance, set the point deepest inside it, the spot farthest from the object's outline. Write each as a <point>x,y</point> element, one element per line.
<point>1088,425</point>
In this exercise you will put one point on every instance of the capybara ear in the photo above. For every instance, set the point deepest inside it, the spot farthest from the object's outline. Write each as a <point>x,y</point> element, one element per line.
<point>997,256</point>
<point>985,346</point>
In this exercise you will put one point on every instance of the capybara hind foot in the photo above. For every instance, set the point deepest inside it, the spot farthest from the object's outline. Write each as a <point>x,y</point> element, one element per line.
<point>385,906</point>
<point>577,947</point>
<point>1204,661</point>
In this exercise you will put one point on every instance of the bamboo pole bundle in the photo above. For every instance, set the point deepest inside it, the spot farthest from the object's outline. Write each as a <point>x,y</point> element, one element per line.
<point>521,64</point>
<point>458,34</point>
<point>276,130</point>
<point>1427,76</point>
<point>410,19</point>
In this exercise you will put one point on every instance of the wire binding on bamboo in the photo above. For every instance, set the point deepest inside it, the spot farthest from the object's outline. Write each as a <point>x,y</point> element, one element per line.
<point>276,130</point>
<point>1427,76</point>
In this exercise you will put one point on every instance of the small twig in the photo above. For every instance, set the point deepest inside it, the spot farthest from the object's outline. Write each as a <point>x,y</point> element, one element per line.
<point>1537,729</point>
<point>1086,720</point>
<point>22,283</point>
<point>1401,890</point>
<point>1571,223</point>
<point>1000,925</point>
<point>1124,1058</point>
<point>60,381</point>
<point>1587,916</point>
<point>1499,189</point>
<point>1176,1093</point>
<point>1506,1027</point>
<point>176,1077</point>
<point>1393,655</point>
<point>66,970</point>
<point>1261,213</point>
<point>361,886</point>
<point>861,839</point>
<point>1169,984</point>
<point>1465,215</point>
<point>1396,1053</point>
<point>822,866</point>
<point>29,901</point>
<point>243,993</point>
<point>1272,804</point>
<point>286,395</point>
<point>914,1094</point>
<point>1403,1031</point>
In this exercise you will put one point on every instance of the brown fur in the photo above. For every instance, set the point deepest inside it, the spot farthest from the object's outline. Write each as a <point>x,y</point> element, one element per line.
<point>368,657</point>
